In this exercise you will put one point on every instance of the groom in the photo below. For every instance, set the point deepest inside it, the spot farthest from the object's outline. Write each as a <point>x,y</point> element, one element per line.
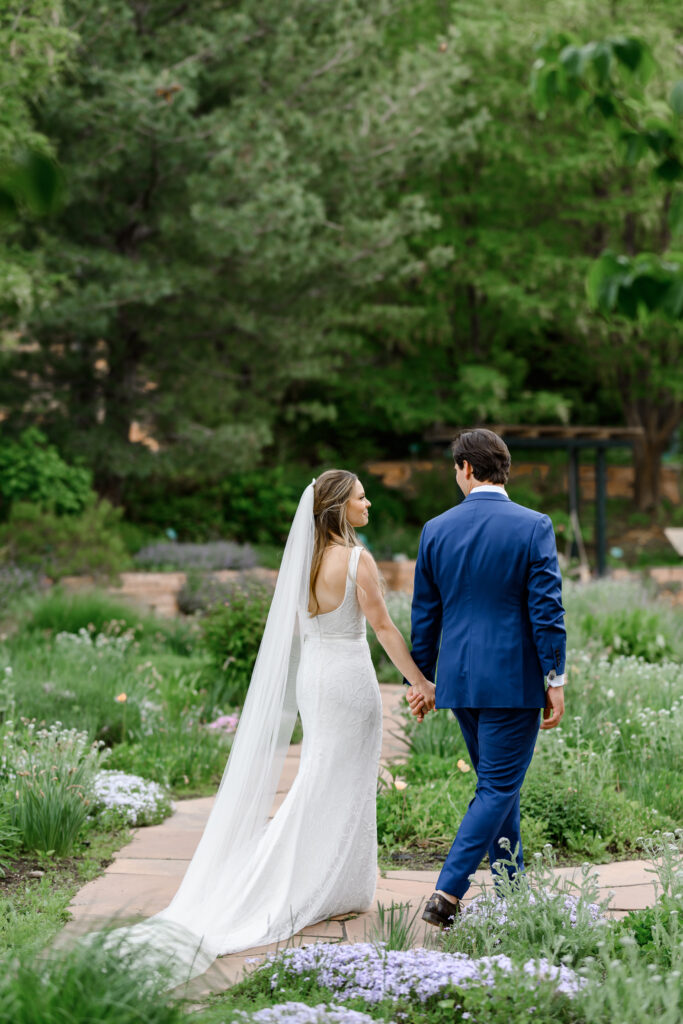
<point>488,627</point>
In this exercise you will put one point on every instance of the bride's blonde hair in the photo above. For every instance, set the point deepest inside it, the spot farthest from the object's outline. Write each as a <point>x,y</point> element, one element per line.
<point>331,491</point>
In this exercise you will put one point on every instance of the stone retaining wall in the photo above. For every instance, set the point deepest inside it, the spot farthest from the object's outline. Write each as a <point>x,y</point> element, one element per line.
<point>158,591</point>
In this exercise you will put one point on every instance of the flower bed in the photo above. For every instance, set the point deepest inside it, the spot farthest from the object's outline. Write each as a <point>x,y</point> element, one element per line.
<point>128,799</point>
<point>371,973</point>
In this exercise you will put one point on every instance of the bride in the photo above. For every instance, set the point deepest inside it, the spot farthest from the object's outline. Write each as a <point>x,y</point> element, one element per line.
<point>253,880</point>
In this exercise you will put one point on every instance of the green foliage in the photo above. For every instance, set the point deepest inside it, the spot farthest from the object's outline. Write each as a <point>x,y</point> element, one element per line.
<point>232,634</point>
<point>32,470</point>
<point>426,812</point>
<point>179,262</point>
<point>184,756</point>
<point>395,926</point>
<point>32,181</point>
<point>632,603</point>
<point>636,633</point>
<point>85,543</point>
<point>63,612</point>
<point>259,506</point>
<point>50,773</point>
<point>538,914</point>
<point>634,286</point>
<point>438,736</point>
<point>85,982</point>
<point>572,791</point>
<point>15,585</point>
<point>10,835</point>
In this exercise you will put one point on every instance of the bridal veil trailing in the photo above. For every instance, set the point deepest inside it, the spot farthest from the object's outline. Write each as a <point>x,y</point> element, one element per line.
<point>208,909</point>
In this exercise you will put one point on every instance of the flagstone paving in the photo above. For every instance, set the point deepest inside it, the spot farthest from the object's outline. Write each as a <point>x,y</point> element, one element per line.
<point>145,874</point>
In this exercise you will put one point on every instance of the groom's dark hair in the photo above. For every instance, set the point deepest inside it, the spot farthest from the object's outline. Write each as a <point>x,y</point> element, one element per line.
<point>487,454</point>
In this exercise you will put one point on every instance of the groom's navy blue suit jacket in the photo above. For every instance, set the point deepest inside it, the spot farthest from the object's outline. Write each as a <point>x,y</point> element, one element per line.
<point>487,618</point>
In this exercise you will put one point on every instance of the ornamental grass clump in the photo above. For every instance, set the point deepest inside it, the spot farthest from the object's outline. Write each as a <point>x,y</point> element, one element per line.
<point>49,775</point>
<point>123,799</point>
<point>395,926</point>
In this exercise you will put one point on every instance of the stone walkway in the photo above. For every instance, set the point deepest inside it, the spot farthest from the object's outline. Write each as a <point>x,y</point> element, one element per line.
<point>145,874</point>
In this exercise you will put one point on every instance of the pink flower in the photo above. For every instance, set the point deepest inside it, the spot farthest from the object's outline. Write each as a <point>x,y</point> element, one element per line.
<point>228,723</point>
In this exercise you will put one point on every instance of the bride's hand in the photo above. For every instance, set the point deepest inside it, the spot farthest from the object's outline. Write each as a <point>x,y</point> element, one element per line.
<point>421,696</point>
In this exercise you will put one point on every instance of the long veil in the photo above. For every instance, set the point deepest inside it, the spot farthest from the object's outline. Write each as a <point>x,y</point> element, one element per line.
<point>185,937</point>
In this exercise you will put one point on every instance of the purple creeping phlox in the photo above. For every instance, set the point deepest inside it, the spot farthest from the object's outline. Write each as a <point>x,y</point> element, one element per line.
<point>300,1013</point>
<point>373,973</point>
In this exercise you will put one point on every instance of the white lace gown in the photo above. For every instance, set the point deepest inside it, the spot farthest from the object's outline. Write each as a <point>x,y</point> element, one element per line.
<point>318,855</point>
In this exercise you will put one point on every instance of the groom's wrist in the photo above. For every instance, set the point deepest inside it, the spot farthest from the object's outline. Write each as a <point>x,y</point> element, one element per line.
<point>554,679</point>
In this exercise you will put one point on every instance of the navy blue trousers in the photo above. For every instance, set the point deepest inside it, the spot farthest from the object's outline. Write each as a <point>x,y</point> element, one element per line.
<point>501,743</point>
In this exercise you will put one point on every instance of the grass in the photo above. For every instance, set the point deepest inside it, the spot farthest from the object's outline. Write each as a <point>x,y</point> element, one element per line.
<point>83,985</point>
<point>608,777</point>
<point>597,783</point>
<point>34,909</point>
<point>551,932</point>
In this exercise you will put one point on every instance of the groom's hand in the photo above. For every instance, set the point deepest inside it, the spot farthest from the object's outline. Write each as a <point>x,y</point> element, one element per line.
<point>554,707</point>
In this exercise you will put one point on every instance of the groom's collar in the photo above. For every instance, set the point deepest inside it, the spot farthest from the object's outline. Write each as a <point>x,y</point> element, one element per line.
<point>489,491</point>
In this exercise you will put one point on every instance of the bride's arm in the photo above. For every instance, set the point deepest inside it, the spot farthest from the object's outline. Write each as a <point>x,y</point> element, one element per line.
<point>372,604</point>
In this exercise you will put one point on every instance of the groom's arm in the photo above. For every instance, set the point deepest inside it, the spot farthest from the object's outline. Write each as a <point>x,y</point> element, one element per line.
<point>544,596</point>
<point>426,613</point>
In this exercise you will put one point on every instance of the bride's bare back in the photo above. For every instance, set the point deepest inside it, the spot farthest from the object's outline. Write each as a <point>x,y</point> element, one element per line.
<point>330,586</point>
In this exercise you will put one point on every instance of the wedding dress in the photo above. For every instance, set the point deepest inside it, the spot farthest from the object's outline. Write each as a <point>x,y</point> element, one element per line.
<point>253,881</point>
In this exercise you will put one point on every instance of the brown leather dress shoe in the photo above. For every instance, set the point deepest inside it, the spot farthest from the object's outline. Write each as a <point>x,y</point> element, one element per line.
<point>439,911</point>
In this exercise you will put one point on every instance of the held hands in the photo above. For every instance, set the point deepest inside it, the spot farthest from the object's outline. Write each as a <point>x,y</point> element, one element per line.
<point>421,698</point>
<point>554,707</point>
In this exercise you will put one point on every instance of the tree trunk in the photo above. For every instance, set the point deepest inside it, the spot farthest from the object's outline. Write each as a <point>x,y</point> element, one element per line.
<point>647,461</point>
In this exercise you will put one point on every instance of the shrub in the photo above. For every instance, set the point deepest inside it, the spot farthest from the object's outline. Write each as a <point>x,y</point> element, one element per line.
<point>193,516</point>
<point>232,635</point>
<point>33,470</point>
<point>62,612</point>
<point>589,606</point>
<point>15,583</point>
<point>204,590</point>
<point>634,633</point>
<point>57,546</point>
<point>571,789</point>
<point>220,554</point>
<point>259,506</point>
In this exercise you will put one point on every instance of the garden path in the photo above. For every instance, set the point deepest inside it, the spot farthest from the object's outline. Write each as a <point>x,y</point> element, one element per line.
<point>144,875</point>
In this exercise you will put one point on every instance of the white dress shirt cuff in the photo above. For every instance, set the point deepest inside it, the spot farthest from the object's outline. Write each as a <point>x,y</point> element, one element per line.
<point>554,679</point>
